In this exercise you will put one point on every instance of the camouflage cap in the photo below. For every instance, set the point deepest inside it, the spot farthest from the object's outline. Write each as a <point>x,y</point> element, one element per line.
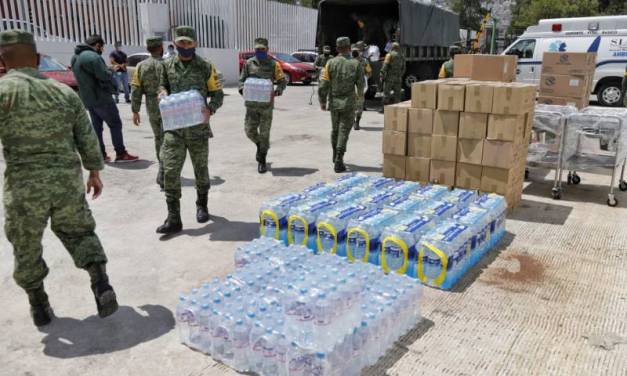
<point>10,37</point>
<point>454,48</point>
<point>185,33</point>
<point>261,43</point>
<point>152,42</point>
<point>360,45</point>
<point>343,42</point>
<point>354,47</point>
<point>396,46</point>
<point>326,49</point>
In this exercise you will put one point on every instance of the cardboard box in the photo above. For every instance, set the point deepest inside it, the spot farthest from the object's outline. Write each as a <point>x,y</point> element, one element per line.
<point>506,127</point>
<point>473,126</point>
<point>479,98</point>
<point>451,96</point>
<point>486,67</point>
<point>420,120</point>
<point>424,94</point>
<point>394,143</point>
<point>559,85</point>
<point>394,166</point>
<point>501,181</point>
<point>418,169</point>
<point>395,117</point>
<point>446,123</point>
<point>569,63</point>
<point>470,151</point>
<point>501,154</point>
<point>576,102</point>
<point>442,172</point>
<point>513,99</point>
<point>468,176</point>
<point>444,148</point>
<point>418,145</point>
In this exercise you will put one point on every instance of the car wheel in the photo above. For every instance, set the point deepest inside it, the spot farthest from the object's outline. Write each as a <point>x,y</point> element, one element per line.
<point>307,82</point>
<point>610,94</point>
<point>290,79</point>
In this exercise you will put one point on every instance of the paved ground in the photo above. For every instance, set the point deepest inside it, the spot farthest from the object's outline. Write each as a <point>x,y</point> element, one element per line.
<point>542,304</point>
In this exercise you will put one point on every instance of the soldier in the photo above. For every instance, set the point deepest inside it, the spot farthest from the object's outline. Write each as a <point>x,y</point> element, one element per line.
<point>44,131</point>
<point>446,71</point>
<point>146,81</point>
<point>340,78</point>
<point>392,75</point>
<point>358,50</point>
<point>183,72</point>
<point>625,88</point>
<point>259,115</point>
<point>322,60</point>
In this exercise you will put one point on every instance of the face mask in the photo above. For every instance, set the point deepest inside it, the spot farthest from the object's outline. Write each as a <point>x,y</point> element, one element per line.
<point>261,54</point>
<point>186,52</point>
<point>326,54</point>
<point>355,54</point>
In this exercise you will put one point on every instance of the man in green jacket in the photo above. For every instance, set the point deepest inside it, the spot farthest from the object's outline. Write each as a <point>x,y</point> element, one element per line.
<point>95,85</point>
<point>447,69</point>
<point>392,75</point>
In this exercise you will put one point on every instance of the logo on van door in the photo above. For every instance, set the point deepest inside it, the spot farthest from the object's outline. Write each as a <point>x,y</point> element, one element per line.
<point>618,47</point>
<point>557,46</point>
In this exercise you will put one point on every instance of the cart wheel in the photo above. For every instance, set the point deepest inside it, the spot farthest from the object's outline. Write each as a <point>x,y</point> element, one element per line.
<point>556,193</point>
<point>622,185</point>
<point>576,179</point>
<point>612,202</point>
<point>569,179</point>
<point>526,174</point>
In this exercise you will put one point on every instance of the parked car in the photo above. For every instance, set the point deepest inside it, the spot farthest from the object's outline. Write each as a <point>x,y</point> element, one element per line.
<point>137,58</point>
<point>306,56</point>
<point>51,68</point>
<point>296,70</point>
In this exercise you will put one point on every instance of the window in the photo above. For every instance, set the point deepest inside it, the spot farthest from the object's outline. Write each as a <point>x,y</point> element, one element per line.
<point>523,49</point>
<point>286,58</point>
<point>133,60</point>
<point>48,64</point>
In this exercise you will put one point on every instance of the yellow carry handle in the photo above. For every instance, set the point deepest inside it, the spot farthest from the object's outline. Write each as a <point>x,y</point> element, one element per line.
<point>333,232</point>
<point>274,217</point>
<point>290,235</point>
<point>442,276</point>
<point>349,254</point>
<point>401,244</point>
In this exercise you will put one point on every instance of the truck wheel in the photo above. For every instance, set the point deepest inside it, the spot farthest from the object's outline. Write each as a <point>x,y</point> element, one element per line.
<point>610,94</point>
<point>416,72</point>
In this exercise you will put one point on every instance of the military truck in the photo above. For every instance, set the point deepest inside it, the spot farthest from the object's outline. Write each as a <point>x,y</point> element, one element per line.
<point>424,31</point>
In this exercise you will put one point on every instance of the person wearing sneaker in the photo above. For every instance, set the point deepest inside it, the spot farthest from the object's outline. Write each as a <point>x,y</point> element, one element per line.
<point>183,72</point>
<point>95,86</point>
<point>46,138</point>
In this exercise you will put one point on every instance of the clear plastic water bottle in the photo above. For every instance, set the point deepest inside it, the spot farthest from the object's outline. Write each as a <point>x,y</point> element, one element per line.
<point>452,240</point>
<point>363,234</point>
<point>331,227</point>
<point>318,190</point>
<point>204,340</point>
<point>302,222</point>
<point>461,197</point>
<point>430,192</point>
<point>184,315</point>
<point>273,215</point>
<point>403,188</point>
<point>398,253</point>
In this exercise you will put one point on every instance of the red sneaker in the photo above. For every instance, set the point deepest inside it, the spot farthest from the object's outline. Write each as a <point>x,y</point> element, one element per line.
<point>106,158</point>
<point>126,157</point>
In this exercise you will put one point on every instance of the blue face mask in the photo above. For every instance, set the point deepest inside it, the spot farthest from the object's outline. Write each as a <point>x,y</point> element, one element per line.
<point>186,52</point>
<point>261,54</point>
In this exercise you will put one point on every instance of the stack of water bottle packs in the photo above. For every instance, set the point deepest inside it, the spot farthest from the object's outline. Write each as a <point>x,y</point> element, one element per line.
<point>424,231</point>
<point>182,110</point>
<point>287,311</point>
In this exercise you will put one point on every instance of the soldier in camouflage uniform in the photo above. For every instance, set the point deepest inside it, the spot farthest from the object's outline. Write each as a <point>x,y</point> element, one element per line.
<point>446,71</point>
<point>44,130</point>
<point>259,115</point>
<point>340,78</point>
<point>392,75</point>
<point>358,50</point>
<point>145,81</point>
<point>183,72</point>
<point>323,59</point>
<point>625,88</point>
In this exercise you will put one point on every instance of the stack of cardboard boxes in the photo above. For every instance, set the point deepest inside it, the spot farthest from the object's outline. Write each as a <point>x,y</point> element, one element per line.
<point>567,78</point>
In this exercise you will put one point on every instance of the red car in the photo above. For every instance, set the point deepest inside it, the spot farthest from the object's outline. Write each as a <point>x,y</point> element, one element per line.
<point>294,69</point>
<point>51,68</point>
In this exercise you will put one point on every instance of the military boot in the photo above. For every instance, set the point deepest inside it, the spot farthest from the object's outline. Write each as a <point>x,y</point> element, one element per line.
<point>258,155</point>
<point>334,154</point>
<point>40,310</point>
<point>339,164</point>
<point>202,212</point>
<point>356,125</point>
<point>262,168</point>
<point>106,301</point>
<point>173,223</point>
<point>160,178</point>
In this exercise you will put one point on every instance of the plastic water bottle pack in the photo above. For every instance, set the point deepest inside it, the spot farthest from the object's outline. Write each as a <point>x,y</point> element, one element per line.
<point>258,90</point>
<point>182,110</point>
<point>287,311</point>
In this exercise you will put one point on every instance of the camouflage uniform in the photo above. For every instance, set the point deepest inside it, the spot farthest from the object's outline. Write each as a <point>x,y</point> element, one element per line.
<point>447,69</point>
<point>340,78</point>
<point>323,58</point>
<point>365,65</point>
<point>145,81</point>
<point>392,75</point>
<point>625,88</point>
<point>178,76</point>
<point>259,115</point>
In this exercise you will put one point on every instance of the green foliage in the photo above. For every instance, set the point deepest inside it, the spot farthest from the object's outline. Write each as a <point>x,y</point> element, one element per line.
<point>470,12</point>
<point>529,12</point>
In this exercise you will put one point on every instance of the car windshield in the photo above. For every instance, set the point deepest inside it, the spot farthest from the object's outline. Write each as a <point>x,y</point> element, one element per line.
<point>286,58</point>
<point>48,64</point>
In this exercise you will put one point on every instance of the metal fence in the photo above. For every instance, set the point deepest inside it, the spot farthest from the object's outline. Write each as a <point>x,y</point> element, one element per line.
<point>229,24</point>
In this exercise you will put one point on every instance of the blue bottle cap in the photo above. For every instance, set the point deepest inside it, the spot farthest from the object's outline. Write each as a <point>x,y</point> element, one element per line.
<point>322,295</point>
<point>269,329</point>
<point>216,301</point>
<point>250,314</point>
<point>304,290</point>
<point>239,322</point>
<point>194,301</point>
<point>320,355</point>
<point>205,306</point>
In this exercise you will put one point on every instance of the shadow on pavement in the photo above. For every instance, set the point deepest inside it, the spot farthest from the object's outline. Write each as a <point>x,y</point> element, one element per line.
<point>292,171</point>
<point>596,194</point>
<point>221,229</point>
<point>399,349</point>
<point>357,168</point>
<point>71,338</point>
<point>370,129</point>
<point>541,212</point>
<point>141,164</point>
<point>214,180</point>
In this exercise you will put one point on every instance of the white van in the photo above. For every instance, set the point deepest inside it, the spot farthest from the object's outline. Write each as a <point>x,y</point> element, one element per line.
<point>607,36</point>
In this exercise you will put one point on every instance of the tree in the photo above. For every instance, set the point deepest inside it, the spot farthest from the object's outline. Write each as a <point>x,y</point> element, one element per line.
<point>613,7</point>
<point>470,12</point>
<point>529,12</point>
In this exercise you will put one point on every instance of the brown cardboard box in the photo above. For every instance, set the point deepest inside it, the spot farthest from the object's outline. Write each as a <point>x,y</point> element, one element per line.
<point>394,166</point>
<point>417,169</point>
<point>444,148</point>
<point>506,127</point>
<point>425,94</point>
<point>395,117</point>
<point>501,180</point>
<point>501,154</point>
<point>486,67</point>
<point>473,125</point>
<point>418,145</point>
<point>470,151</point>
<point>576,102</point>
<point>446,123</point>
<point>479,97</point>
<point>442,172</point>
<point>558,85</point>
<point>420,120</point>
<point>569,63</point>
<point>394,142</point>
<point>513,98</point>
<point>468,176</point>
<point>451,96</point>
